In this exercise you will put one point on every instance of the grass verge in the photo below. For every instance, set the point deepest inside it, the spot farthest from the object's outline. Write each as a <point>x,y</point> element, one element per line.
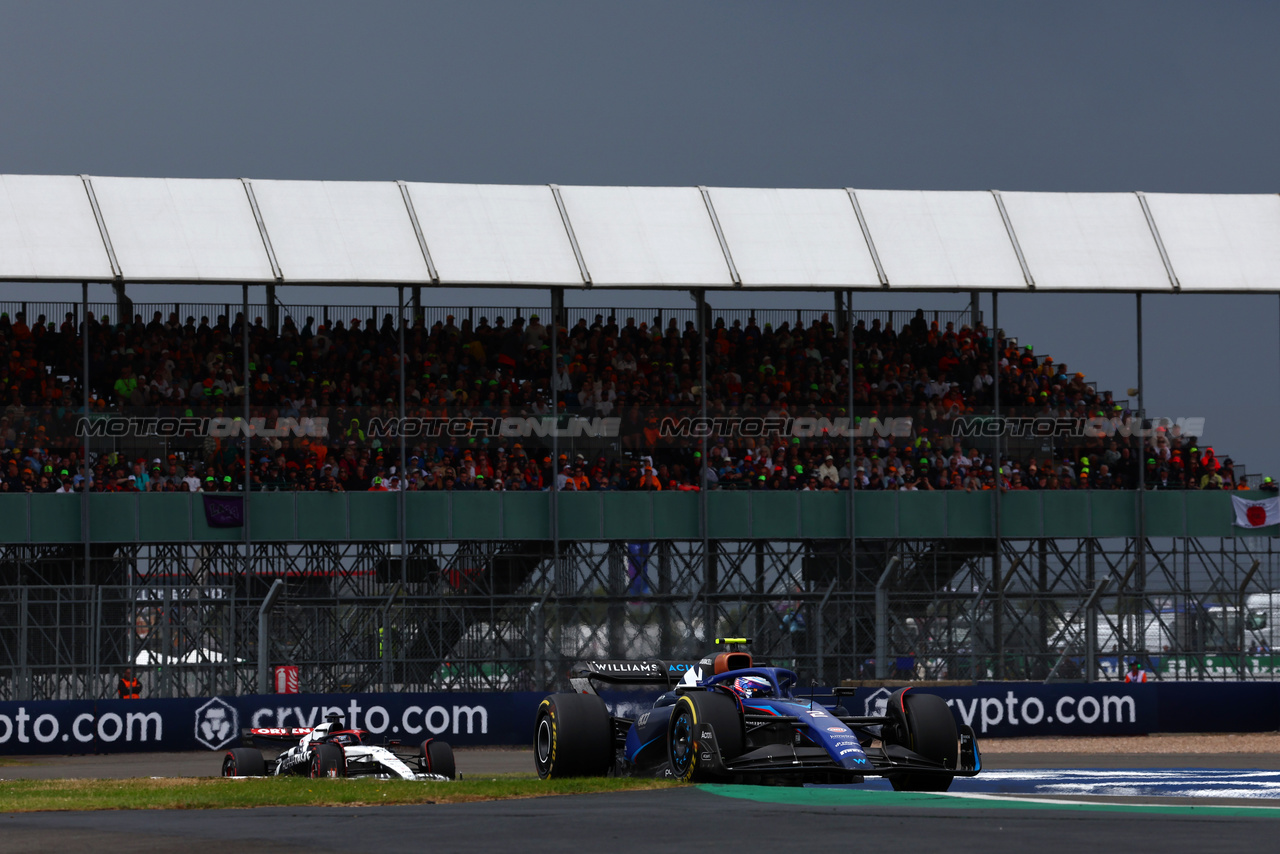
<point>219,793</point>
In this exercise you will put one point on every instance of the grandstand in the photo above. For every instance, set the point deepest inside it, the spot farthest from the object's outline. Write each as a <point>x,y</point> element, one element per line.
<point>463,498</point>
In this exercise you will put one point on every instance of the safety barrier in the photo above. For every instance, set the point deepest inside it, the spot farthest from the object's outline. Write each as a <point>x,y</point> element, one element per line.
<point>993,709</point>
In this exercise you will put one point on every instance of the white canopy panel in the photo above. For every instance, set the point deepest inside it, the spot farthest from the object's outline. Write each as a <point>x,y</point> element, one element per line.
<point>1087,241</point>
<point>163,230</point>
<point>48,230</point>
<point>641,237</point>
<point>1220,243</point>
<point>182,230</point>
<point>794,238</point>
<point>947,240</point>
<point>495,234</point>
<point>341,231</point>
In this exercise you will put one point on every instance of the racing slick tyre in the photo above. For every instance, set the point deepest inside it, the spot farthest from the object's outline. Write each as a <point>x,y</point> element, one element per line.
<point>244,762</point>
<point>573,737</point>
<point>924,724</point>
<point>436,757</point>
<point>328,760</point>
<point>693,709</point>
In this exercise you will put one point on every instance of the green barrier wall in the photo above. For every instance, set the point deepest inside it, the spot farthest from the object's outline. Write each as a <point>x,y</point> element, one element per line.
<point>365,516</point>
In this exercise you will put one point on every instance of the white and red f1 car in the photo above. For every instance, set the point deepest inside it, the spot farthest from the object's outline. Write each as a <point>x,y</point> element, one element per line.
<point>328,750</point>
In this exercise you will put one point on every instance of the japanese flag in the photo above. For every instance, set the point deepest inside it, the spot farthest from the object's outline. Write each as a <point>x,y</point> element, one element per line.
<point>1256,514</point>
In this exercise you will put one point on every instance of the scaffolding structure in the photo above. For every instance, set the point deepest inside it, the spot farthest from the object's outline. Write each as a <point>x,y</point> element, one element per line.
<point>498,615</point>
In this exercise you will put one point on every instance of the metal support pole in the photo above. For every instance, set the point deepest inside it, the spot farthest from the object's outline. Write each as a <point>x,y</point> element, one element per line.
<point>1142,494</point>
<point>385,653</point>
<point>248,443</point>
<point>263,613</point>
<point>555,431</point>
<point>402,505</point>
<point>975,314</point>
<point>124,305</point>
<point>167,658</point>
<point>708,583</point>
<point>273,311</point>
<point>997,619</point>
<point>882,619</point>
<point>853,470</point>
<point>1090,616</point>
<point>1241,612</point>
<point>24,658</point>
<point>820,627</point>
<point>557,307</point>
<point>85,470</point>
<point>704,483</point>
<point>554,486</point>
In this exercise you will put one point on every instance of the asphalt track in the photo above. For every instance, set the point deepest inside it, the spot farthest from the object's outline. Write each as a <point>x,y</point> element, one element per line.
<point>993,816</point>
<point>667,820</point>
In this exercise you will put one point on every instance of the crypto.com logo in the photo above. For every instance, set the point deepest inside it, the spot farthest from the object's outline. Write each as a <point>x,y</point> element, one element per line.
<point>217,723</point>
<point>877,703</point>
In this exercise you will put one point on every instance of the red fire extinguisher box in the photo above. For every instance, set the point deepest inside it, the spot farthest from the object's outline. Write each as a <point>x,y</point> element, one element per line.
<point>287,679</point>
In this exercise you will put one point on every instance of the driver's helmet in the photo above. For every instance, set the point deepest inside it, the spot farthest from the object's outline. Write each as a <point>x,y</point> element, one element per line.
<point>346,739</point>
<point>749,687</point>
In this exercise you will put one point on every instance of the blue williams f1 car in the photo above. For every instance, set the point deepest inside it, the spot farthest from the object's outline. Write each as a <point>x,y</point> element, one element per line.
<point>727,720</point>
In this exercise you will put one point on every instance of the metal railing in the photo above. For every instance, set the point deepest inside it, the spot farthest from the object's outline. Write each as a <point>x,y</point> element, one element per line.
<point>57,312</point>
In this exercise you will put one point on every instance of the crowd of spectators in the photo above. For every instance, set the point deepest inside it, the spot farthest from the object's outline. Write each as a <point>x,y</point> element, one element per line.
<point>634,372</point>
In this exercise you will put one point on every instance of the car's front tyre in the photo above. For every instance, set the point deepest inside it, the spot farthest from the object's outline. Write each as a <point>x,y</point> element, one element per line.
<point>436,757</point>
<point>691,711</point>
<point>328,760</point>
<point>924,724</point>
<point>243,762</point>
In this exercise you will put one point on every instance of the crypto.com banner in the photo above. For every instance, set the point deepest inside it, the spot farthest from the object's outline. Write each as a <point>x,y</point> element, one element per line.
<point>119,726</point>
<point>993,709</point>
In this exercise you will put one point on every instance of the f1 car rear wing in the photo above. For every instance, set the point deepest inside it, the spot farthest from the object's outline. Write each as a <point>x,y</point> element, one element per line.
<point>275,733</point>
<point>647,672</point>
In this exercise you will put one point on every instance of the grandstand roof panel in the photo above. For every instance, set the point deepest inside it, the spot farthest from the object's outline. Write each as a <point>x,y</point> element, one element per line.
<point>647,237</point>
<point>341,231</point>
<point>205,231</point>
<point>947,240</point>
<point>182,229</point>
<point>495,234</point>
<point>48,230</point>
<point>1087,241</point>
<point>794,238</point>
<point>1217,242</point>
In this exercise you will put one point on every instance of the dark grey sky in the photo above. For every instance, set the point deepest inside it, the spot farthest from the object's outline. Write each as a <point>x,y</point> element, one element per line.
<point>1166,96</point>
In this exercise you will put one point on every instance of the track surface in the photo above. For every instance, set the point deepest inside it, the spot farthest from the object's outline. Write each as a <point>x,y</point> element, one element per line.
<point>621,823</point>
<point>1062,814</point>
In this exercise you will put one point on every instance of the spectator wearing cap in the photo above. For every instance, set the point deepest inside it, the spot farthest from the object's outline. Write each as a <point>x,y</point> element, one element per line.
<point>828,470</point>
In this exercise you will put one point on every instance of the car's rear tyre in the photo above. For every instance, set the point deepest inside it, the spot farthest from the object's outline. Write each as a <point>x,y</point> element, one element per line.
<point>328,760</point>
<point>244,762</point>
<point>692,710</point>
<point>573,737</point>
<point>436,757</point>
<point>924,724</point>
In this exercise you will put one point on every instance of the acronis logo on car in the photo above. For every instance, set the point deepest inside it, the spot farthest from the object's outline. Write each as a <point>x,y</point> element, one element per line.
<point>677,668</point>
